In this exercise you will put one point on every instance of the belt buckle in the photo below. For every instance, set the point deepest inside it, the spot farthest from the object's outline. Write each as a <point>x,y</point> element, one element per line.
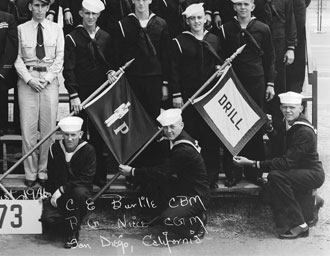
<point>40,69</point>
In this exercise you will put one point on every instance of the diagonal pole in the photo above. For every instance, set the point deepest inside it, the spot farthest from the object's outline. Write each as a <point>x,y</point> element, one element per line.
<point>188,102</point>
<point>96,92</point>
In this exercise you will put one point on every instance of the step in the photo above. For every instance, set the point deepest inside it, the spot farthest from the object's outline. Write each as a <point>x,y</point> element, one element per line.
<point>14,183</point>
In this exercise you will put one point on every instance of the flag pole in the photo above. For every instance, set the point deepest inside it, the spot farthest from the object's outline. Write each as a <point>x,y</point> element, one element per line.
<point>90,97</point>
<point>189,101</point>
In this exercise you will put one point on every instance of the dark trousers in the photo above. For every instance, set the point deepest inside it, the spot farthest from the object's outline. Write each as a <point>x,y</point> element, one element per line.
<point>71,210</point>
<point>282,187</point>
<point>296,71</point>
<point>198,129</point>
<point>3,108</point>
<point>94,138</point>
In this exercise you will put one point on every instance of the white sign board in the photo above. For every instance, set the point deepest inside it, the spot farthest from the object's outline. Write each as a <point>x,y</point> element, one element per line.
<point>230,112</point>
<point>20,217</point>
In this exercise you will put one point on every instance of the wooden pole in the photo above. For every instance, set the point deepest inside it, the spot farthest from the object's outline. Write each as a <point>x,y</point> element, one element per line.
<point>189,101</point>
<point>96,92</point>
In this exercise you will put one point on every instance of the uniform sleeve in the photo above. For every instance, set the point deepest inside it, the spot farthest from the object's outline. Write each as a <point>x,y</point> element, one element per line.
<point>53,9</point>
<point>51,172</point>
<point>180,156</point>
<point>223,52</point>
<point>269,58</point>
<point>65,4</point>
<point>175,81</point>
<point>9,55</point>
<point>208,6</point>
<point>118,45</point>
<point>70,81</point>
<point>294,155</point>
<point>57,65</point>
<point>290,26</point>
<point>164,54</point>
<point>21,69</point>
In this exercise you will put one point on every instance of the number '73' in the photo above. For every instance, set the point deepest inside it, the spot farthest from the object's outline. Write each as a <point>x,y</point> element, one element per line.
<point>17,209</point>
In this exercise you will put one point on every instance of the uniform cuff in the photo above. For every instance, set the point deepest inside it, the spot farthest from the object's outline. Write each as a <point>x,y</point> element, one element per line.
<point>176,95</point>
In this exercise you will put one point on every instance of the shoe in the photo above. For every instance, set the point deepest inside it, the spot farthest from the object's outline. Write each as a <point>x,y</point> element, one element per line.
<point>72,240</point>
<point>318,204</point>
<point>214,185</point>
<point>295,232</point>
<point>230,183</point>
<point>29,183</point>
<point>42,182</point>
<point>261,182</point>
<point>200,233</point>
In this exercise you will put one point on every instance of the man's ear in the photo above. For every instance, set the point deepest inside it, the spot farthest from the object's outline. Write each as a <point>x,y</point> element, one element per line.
<point>301,108</point>
<point>30,7</point>
<point>80,13</point>
<point>81,134</point>
<point>253,7</point>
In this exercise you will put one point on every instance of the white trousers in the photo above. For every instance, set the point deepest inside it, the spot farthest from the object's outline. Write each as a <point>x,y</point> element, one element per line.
<point>38,112</point>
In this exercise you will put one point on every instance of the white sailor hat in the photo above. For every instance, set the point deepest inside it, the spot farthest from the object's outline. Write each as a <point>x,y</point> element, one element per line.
<point>169,116</point>
<point>71,124</point>
<point>290,98</point>
<point>193,9</point>
<point>95,6</point>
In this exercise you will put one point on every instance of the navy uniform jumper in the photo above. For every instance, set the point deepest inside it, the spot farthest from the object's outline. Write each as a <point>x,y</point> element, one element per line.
<point>150,48</point>
<point>8,55</point>
<point>86,62</point>
<point>293,173</point>
<point>193,61</point>
<point>255,68</point>
<point>183,175</point>
<point>76,177</point>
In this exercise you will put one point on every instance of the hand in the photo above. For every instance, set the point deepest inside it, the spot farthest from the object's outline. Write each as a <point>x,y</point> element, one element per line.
<point>125,169</point>
<point>57,194</point>
<point>164,93</point>
<point>177,102</point>
<point>36,85</point>
<point>112,76</point>
<point>288,57</point>
<point>50,17</point>
<point>76,105</point>
<point>220,72</point>
<point>68,18</point>
<point>269,125</point>
<point>217,21</point>
<point>44,82</point>
<point>270,93</point>
<point>242,161</point>
<point>208,19</point>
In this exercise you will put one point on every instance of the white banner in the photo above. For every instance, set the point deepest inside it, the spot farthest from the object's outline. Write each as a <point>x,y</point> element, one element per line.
<point>230,112</point>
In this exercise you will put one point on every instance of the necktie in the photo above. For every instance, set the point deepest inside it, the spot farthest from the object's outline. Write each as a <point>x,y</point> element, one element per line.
<point>40,49</point>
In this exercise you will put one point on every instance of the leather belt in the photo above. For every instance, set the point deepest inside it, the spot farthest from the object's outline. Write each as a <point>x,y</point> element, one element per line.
<point>35,68</point>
